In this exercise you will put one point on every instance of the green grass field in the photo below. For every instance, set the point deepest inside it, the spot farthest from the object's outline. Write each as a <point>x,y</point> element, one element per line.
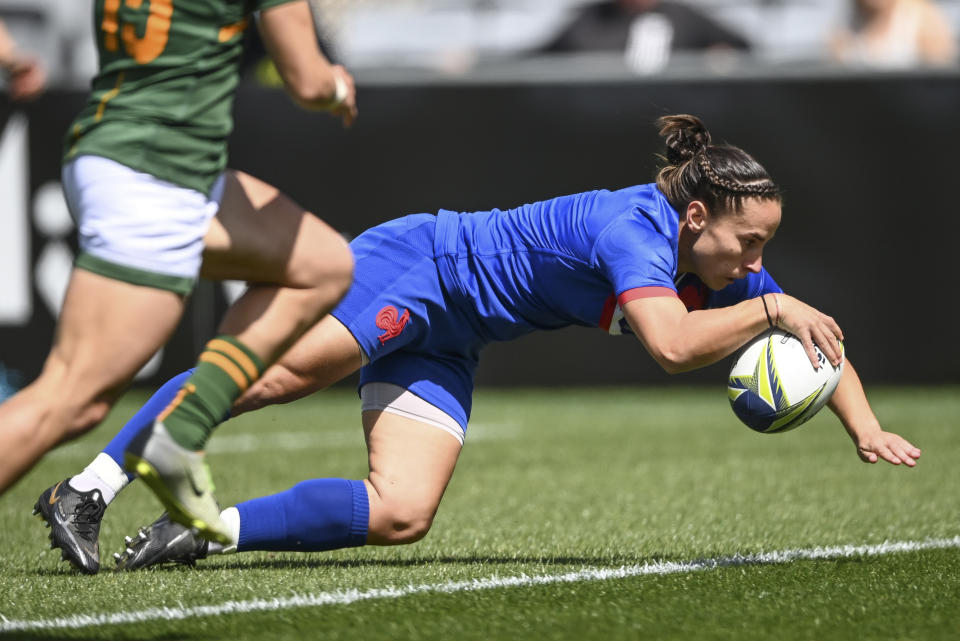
<point>550,483</point>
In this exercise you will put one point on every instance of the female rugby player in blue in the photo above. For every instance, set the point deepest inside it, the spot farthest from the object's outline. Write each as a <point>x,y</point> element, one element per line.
<point>677,263</point>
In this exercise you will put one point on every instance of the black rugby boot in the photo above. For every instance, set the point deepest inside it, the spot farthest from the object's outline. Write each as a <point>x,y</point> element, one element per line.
<point>164,541</point>
<point>74,521</point>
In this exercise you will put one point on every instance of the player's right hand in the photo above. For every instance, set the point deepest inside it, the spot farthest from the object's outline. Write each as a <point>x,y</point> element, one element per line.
<point>344,101</point>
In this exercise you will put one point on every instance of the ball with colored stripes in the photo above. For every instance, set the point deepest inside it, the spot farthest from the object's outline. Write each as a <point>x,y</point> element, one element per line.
<point>773,387</point>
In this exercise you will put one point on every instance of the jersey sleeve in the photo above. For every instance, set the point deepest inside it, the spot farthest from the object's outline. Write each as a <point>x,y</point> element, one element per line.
<point>260,5</point>
<point>632,255</point>
<point>744,289</point>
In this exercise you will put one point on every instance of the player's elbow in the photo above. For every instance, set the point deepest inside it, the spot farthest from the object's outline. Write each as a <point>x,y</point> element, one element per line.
<point>673,359</point>
<point>671,366</point>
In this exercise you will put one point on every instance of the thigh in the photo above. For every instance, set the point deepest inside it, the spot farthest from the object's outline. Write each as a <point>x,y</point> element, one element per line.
<point>411,463</point>
<point>107,331</point>
<point>261,235</point>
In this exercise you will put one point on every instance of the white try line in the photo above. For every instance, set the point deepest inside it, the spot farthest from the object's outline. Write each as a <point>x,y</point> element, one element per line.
<point>346,597</point>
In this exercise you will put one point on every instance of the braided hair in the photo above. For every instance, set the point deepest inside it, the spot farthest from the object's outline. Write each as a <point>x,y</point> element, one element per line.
<point>721,176</point>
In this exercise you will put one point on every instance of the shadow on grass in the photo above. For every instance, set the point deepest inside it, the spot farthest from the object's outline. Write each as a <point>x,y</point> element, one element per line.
<point>314,562</point>
<point>574,562</point>
<point>309,563</point>
<point>99,633</point>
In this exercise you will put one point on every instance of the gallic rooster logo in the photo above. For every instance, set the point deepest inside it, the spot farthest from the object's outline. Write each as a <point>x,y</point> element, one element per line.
<point>391,322</point>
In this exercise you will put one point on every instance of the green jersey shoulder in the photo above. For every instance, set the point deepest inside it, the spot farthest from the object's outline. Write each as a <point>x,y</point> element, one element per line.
<point>162,100</point>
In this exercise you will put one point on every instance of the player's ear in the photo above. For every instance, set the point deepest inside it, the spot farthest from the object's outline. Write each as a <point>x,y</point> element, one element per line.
<point>696,215</point>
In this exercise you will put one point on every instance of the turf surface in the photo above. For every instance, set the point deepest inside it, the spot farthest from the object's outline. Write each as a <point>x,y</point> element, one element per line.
<point>551,482</point>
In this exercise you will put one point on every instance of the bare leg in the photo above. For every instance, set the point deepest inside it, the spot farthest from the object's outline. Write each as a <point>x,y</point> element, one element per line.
<point>98,347</point>
<point>410,466</point>
<point>109,329</point>
<point>302,265</point>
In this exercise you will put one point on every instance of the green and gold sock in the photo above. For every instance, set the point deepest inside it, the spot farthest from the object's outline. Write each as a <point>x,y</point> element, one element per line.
<point>225,369</point>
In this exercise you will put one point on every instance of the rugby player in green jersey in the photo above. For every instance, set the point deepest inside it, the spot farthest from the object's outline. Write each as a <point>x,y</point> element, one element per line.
<point>145,178</point>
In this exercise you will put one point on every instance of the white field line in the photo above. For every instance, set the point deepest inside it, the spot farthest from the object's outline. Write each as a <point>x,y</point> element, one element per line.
<point>346,597</point>
<point>292,441</point>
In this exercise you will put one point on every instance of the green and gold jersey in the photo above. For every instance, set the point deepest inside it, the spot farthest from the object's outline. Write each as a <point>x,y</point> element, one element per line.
<point>162,101</point>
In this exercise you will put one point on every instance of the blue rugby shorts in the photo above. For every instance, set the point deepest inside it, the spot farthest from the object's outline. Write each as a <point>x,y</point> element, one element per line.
<point>410,328</point>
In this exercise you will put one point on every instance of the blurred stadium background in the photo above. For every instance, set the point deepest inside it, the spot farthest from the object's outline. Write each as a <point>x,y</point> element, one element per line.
<point>462,108</point>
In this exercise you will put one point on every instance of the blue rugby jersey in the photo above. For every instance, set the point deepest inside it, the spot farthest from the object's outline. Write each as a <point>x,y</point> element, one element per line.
<point>571,260</point>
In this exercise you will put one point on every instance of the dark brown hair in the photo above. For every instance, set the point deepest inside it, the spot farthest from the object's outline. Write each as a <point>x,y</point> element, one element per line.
<point>721,176</point>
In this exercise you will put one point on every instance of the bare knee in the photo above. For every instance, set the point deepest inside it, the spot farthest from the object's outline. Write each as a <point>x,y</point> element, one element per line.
<point>339,270</point>
<point>68,403</point>
<point>76,414</point>
<point>51,413</point>
<point>329,268</point>
<point>86,417</point>
<point>399,522</point>
<point>403,528</point>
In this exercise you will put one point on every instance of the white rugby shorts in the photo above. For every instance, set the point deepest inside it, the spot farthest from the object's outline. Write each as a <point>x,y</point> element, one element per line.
<point>135,227</point>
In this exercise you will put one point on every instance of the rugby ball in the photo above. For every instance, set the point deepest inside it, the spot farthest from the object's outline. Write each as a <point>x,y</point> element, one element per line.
<point>772,385</point>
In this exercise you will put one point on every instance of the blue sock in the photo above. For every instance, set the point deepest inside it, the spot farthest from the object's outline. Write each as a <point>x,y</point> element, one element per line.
<point>316,515</point>
<point>157,403</point>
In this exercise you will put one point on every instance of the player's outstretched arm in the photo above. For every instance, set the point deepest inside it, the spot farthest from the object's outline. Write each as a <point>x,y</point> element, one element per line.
<point>289,35</point>
<point>849,403</point>
<point>681,341</point>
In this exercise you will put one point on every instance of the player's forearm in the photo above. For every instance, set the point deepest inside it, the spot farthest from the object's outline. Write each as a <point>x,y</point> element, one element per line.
<point>289,35</point>
<point>849,403</point>
<point>705,337</point>
<point>696,339</point>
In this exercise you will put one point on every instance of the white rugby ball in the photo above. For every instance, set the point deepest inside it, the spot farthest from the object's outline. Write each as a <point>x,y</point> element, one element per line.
<point>772,385</point>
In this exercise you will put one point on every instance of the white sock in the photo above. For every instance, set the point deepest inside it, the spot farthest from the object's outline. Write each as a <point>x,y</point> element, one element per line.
<point>102,474</point>
<point>231,518</point>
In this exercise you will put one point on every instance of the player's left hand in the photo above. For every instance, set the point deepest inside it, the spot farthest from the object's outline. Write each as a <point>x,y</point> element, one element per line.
<point>888,446</point>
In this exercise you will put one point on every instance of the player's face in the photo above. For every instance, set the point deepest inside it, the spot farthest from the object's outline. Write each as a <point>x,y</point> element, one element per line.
<point>729,246</point>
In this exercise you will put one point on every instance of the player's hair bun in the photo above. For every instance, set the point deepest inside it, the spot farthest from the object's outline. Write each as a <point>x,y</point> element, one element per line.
<point>685,135</point>
<point>719,175</point>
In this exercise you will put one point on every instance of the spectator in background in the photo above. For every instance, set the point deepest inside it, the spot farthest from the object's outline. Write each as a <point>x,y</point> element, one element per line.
<point>25,75</point>
<point>647,31</point>
<point>896,34</point>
